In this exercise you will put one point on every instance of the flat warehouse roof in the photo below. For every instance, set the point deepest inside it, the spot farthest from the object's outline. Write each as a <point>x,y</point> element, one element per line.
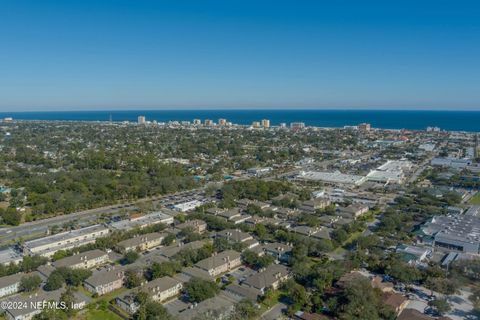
<point>65,236</point>
<point>336,177</point>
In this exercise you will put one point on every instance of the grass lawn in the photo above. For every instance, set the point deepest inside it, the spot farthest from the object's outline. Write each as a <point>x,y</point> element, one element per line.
<point>475,199</point>
<point>352,238</point>
<point>99,315</point>
<point>271,301</point>
<point>107,297</point>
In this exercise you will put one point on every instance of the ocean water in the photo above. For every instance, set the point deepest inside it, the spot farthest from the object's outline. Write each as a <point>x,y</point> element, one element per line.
<point>386,119</point>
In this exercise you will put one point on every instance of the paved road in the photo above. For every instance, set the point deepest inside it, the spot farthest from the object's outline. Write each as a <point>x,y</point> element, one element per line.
<point>275,312</point>
<point>40,227</point>
<point>461,306</point>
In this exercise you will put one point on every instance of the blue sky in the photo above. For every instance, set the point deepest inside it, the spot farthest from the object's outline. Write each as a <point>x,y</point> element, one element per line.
<point>115,54</point>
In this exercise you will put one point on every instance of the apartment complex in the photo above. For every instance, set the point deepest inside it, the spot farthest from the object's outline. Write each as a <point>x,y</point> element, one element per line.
<point>10,284</point>
<point>142,242</point>
<point>84,260</point>
<point>47,246</point>
<point>220,263</point>
<point>106,281</point>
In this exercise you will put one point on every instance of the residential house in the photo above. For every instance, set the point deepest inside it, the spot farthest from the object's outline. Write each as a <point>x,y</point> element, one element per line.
<point>396,301</point>
<point>377,282</point>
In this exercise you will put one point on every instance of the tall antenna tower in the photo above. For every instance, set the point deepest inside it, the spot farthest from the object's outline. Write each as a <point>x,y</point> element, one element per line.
<point>110,118</point>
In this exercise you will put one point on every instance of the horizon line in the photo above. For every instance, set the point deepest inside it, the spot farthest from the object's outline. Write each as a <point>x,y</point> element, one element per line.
<point>91,109</point>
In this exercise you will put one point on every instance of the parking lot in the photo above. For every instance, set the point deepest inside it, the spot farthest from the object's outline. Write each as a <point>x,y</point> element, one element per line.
<point>176,306</point>
<point>241,273</point>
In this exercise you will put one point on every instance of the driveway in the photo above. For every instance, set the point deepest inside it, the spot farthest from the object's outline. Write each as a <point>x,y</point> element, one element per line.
<point>275,312</point>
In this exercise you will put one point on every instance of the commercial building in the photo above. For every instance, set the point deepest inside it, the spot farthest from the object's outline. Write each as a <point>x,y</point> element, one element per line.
<point>141,120</point>
<point>364,127</point>
<point>187,206</point>
<point>84,260</point>
<point>297,125</point>
<point>393,171</point>
<point>335,178</point>
<point>47,246</point>
<point>413,254</point>
<point>255,124</point>
<point>142,221</point>
<point>266,123</point>
<point>451,162</point>
<point>222,122</point>
<point>105,281</point>
<point>453,233</point>
<point>428,147</point>
<point>257,172</point>
<point>141,242</point>
<point>208,122</point>
<point>9,256</point>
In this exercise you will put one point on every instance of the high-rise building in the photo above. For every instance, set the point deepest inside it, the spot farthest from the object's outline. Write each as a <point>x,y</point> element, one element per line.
<point>208,122</point>
<point>256,124</point>
<point>433,129</point>
<point>222,122</point>
<point>297,125</point>
<point>141,120</point>
<point>197,122</point>
<point>266,123</point>
<point>364,127</point>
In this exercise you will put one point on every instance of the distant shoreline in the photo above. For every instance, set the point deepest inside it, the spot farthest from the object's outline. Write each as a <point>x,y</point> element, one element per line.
<point>328,118</point>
